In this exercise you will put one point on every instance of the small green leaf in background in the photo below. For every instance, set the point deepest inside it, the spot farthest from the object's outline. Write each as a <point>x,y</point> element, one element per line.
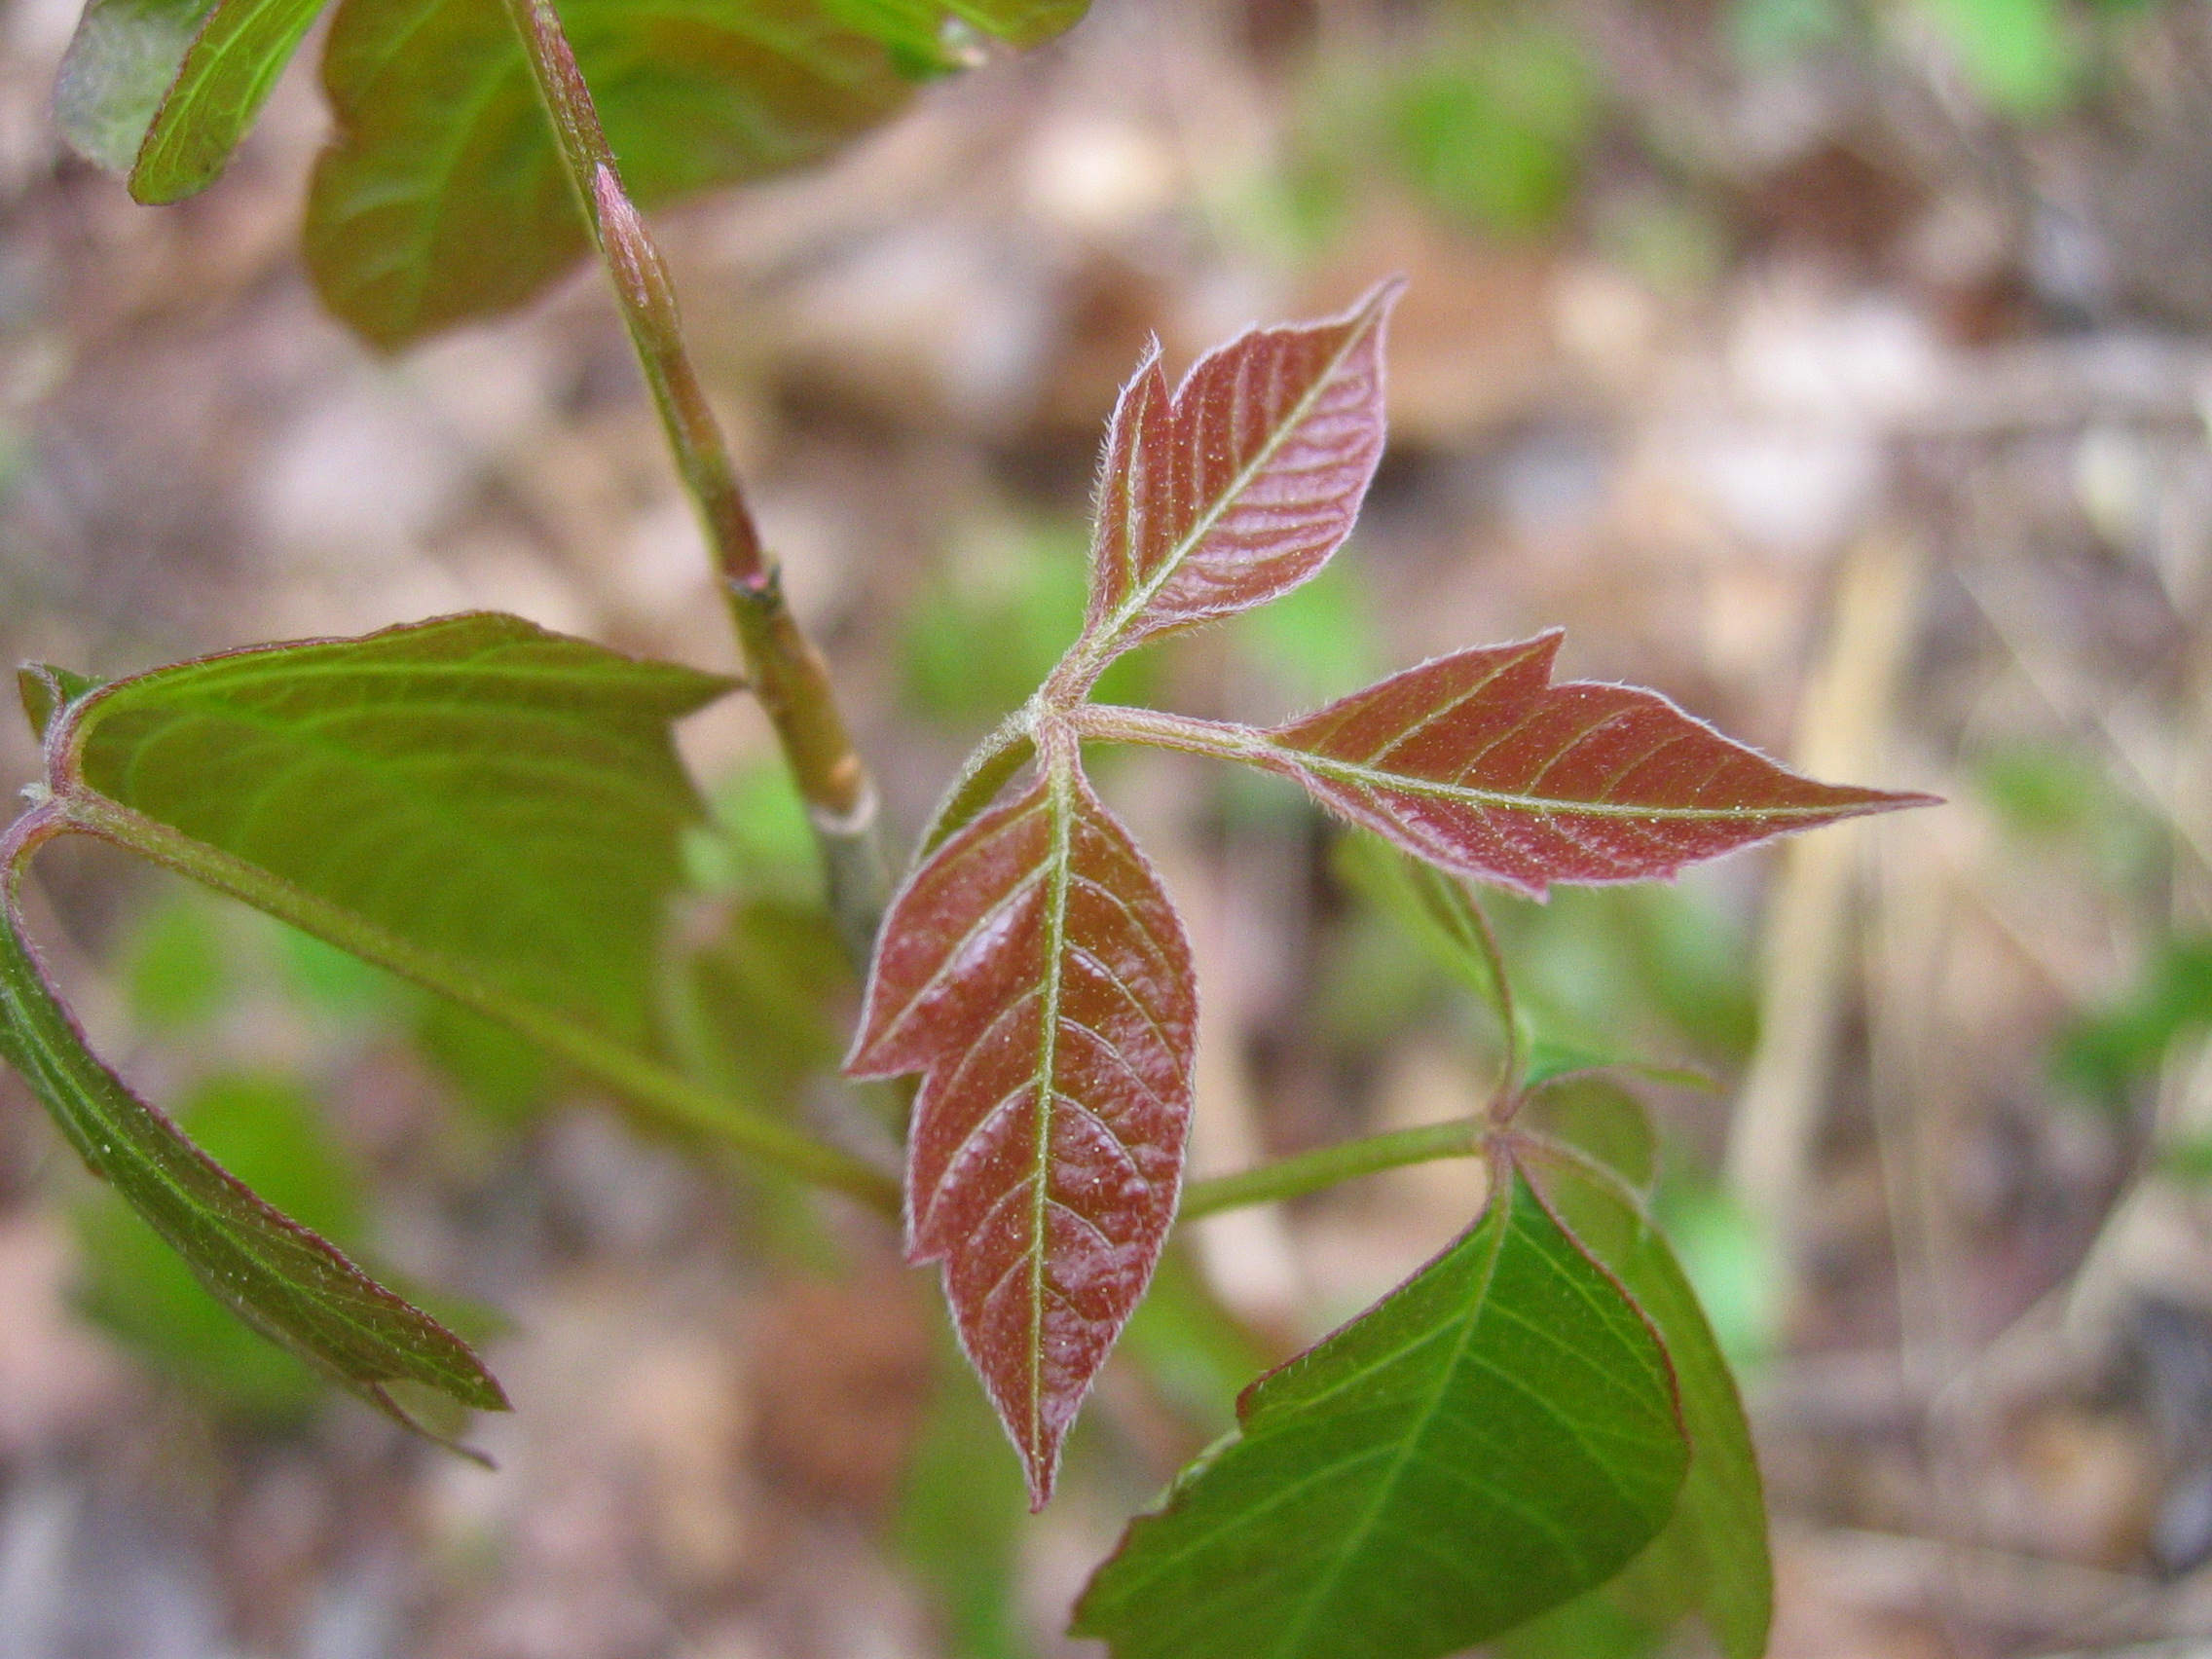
<point>267,1132</point>
<point>1711,1559</point>
<point>757,1001</point>
<point>1494,1438</point>
<point>1491,127</point>
<point>1626,971</point>
<point>2021,55</point>
<point>162,90</point>
<point>46,690</point>
<point>176,970</point>
<point>756,842</point>
<point>1598,1117</point>
<point>760,986</point>
<point>2107,1054</point>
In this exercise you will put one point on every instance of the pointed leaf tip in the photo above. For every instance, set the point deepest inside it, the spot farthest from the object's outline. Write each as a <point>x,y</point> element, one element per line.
<point>1478,762</point>
<point>1034,970</point>
<point>1238,486</point>
<point>282,1280</point>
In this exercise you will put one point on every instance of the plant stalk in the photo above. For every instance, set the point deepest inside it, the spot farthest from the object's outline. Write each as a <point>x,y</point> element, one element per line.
<point>662,1096</point>
<point>787,673</point>
<point>1325,1166</point>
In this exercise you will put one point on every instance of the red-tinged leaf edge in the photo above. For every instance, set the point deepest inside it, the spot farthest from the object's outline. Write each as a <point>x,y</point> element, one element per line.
<point>1198,514</point>
<point>1035,942</point>
<point>283,1279</point>
<point>1478,762</point>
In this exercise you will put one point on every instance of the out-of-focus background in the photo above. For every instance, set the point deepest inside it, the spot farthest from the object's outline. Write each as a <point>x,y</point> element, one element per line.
<point>1840,367</point>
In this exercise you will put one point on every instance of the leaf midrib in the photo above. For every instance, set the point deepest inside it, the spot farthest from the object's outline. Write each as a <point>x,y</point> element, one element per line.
<point>1060,791</point>
<point>1403,782</point>
<point>1502,1216</point>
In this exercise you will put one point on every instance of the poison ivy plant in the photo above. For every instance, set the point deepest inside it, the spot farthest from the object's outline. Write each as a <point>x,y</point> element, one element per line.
<point>1032,967</point>
<point>1539,1420</point>
<point>441,195</point>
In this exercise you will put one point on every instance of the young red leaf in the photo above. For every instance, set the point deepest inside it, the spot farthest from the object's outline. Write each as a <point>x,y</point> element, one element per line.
<point>1235,488</point>
<point>1035,971</point>
<point>1476,762</point>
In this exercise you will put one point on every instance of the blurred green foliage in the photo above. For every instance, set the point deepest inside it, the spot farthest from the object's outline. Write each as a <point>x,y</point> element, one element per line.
<point>176,971</point>
<point>2026,60</point>
<point>1489,124</point>
<point>1318,641</point>
<point>1485,116</point>
<point>2106,1054</point>
<point>985,633</point>
<point>1634,971</point>
<point>1198,1355</point>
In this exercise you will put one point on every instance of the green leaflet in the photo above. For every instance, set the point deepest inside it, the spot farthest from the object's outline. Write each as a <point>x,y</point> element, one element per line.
<point>276,1276</point>
<point>162,90</point>
<point>1712,1556</point>
<point>266,1130</point>
<point>443,198</point>
<point>1496,1437</point>
<point>501,798</point>
<point>490,806</point>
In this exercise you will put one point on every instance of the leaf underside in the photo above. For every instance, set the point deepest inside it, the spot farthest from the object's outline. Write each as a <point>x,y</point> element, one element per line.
<point>164,90</point>
<point>1238,486</point>
<point>1478,763</point>
<point>1497,1436</point>
<point>500,800</point>
<point>1034,970</point>
<point>286,1281</point>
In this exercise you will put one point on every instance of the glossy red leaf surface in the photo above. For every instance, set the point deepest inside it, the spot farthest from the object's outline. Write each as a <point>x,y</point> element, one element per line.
<point>1235,488</point>
<point>1476,762</point>
<point>1034,970</point>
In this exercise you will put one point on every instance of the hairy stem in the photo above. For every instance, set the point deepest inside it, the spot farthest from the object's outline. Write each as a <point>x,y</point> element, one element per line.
<point>1110,722</point>
<point>1324,1167</point>
<point>1464,916</point>
<point>787,673</point>
<point>662,1096</point>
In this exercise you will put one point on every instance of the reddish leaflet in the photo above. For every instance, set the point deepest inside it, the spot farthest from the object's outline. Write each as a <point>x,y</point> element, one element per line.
<point>1036,970</point>
<point>1033,968</point>
<point>1236,489</point>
